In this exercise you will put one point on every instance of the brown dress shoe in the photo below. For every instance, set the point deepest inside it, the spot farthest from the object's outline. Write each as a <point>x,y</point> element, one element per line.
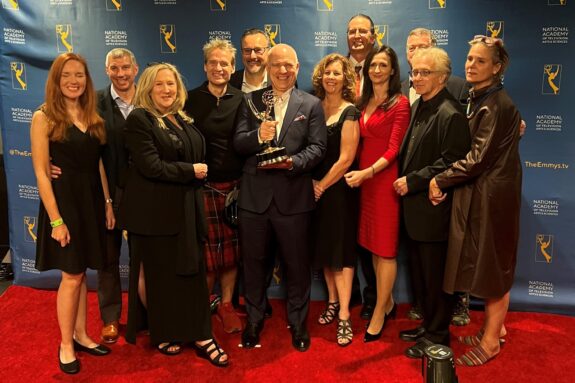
<point>231,321</point>
<point>110,332</point>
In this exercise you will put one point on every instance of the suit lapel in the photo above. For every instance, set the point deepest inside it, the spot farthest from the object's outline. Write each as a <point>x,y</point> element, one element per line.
<point>408,134</point>
<point>294,104</point>
<point>109,111</point>
<point>405,142</point>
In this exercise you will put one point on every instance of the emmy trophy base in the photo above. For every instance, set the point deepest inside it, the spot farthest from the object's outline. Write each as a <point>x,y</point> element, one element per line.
<point>270,157</point>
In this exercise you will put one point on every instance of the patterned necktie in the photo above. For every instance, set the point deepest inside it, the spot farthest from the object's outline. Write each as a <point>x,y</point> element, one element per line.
<point>357,81</point>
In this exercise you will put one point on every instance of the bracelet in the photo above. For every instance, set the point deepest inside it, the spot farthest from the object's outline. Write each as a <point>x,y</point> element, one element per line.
<point>372,171</point>
<point>109,200</point>
<point>57,222</point>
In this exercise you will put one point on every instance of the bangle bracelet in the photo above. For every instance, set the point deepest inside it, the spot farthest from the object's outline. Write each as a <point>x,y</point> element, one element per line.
<point>109,200</point>
<point>57,222</point>
<point>372,171</point>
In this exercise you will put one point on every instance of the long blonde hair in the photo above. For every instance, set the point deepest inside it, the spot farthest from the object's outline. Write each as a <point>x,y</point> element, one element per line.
<point>55,107</point>
<point>143,98</point>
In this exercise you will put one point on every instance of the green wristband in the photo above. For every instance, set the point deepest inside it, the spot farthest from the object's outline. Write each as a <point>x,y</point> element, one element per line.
<point>57,222</point>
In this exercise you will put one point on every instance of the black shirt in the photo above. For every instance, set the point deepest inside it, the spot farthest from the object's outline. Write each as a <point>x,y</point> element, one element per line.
<point>215,119</point>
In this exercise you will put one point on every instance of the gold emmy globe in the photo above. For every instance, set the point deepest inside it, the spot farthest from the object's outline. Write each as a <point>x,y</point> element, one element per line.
<point>271,155</point>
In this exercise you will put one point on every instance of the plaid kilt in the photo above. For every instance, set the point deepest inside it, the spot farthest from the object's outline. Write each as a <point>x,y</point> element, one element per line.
<point>222,248</point>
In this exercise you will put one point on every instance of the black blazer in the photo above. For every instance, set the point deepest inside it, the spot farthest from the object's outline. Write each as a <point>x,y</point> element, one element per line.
<point>156,183</point>
<point>444,139</point>
<point>115,154</point>
<point>303,134</point>
<point>456,86</point>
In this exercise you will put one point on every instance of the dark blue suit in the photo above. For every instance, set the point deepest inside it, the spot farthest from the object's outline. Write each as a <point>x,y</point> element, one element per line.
<point>277,203</point>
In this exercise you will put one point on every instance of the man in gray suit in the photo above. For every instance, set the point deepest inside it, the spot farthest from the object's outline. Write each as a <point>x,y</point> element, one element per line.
<point>276,204</point>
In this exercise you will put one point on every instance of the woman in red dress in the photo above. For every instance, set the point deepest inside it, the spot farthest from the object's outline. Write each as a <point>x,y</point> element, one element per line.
<point>383,123</point>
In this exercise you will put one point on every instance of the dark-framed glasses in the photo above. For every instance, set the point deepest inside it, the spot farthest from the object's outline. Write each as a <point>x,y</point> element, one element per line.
<point>257,51</point>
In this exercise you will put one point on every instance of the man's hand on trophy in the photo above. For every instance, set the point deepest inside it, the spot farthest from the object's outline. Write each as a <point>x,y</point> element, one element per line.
<point>285,164</point>
<point>267,131</point>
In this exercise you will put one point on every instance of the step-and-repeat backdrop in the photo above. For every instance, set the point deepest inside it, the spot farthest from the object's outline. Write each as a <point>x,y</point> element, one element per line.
<point>536,33</point>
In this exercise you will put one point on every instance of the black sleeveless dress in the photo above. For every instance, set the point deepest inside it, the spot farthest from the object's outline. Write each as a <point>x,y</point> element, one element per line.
<point>80,200</point>
<point>334,224</point>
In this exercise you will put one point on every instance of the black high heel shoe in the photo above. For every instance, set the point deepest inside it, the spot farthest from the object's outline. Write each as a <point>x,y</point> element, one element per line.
<point>392,313</point>
<point>99,350</point>
<point>369,337</point>
<point>68,368</point>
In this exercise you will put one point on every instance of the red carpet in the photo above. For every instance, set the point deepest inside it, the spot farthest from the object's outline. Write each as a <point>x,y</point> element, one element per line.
<point>538,349</point>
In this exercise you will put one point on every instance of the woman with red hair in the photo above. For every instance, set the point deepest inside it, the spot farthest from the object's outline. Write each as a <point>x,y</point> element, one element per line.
<point>75,208</point>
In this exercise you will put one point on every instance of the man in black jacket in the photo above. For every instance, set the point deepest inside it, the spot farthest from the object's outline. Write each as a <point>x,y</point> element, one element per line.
<point>421,38</point>
<point>114,105</point>
<point>438,135</point>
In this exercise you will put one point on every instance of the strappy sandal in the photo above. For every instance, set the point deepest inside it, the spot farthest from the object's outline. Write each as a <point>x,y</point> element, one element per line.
<point>474,340</point>
<point>207,350</point>
<point>474,357</point>
<point>165,349</point>
<point>328,315</point>
<point>344,332</point>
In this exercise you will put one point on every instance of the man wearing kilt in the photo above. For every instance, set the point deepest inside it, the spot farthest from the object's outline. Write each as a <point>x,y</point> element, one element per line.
<point>213,106</point>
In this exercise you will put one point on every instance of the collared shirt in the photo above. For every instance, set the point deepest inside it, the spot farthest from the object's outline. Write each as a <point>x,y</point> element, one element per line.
<point>280,108</point>
<point>246,88</point>
<point>125,107</point>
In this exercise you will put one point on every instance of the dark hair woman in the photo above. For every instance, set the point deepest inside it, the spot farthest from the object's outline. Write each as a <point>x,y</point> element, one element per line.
<point>383,122</point>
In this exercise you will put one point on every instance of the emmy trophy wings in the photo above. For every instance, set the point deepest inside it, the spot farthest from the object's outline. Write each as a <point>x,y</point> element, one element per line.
<point>268,99</point>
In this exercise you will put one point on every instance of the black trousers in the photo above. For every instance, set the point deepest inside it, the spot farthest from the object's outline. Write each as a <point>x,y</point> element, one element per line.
<point>427,260</point>
<point>109,284</point>
<point>290,233</point>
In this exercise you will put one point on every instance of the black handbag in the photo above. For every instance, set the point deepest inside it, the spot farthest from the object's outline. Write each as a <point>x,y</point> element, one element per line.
<point>231,208</point>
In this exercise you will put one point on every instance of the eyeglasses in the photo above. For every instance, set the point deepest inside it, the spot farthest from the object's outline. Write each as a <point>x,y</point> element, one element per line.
<point>257,51</point>
<point>360,31</point>
<point>490,41</point>
<point>423,72</point>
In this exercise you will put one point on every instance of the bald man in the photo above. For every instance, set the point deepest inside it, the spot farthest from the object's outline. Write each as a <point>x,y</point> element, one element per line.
<point>275,204</point>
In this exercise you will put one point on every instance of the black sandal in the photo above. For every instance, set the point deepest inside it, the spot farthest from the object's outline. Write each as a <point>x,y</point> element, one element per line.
<point>328,315</point>
<point>344,332</point>
<point>165,349</point>
<point>209,349</point>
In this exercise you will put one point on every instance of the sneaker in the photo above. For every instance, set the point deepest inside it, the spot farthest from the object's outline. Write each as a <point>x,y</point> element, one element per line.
<point>460,315</point>
<point>415,313</point>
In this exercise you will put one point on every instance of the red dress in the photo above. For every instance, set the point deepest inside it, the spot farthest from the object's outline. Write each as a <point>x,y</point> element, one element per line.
<point>381,136</point>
